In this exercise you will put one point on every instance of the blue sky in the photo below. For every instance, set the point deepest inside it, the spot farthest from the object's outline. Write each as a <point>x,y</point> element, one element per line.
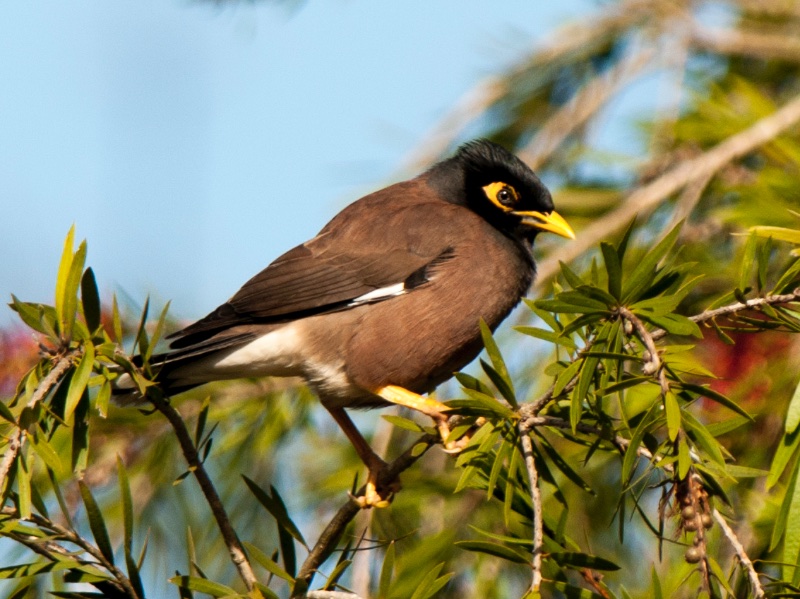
<point>191,144</point>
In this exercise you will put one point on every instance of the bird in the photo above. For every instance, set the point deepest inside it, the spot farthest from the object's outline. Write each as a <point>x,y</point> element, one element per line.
<point>385,303</point>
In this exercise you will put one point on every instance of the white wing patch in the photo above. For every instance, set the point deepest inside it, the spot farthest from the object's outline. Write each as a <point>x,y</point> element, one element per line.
<point>379,294</point>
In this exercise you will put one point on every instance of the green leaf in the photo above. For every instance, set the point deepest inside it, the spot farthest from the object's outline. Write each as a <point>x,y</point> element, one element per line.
<point>684,458</point>
<point>793,414</point>
<point>501,383</point>
<point>746,267</point>
<point>403,423</point>
<point>387,572</point>
<point>583,560</point>
<point>275,506</point>
<point>127,524</point>
<point>569,591</point>
<point>77,386</point>
<point>431,583</point>
<point>673,412</point>
<point>90,298</point>
<point>24,474</point>
<point>644,273</point>
<point>613,268</point>
<point>62,279</point>
<point>496,550</point>
<point>703,438</point>
<point>779,526</point>
<point>675,324</point>
<point>482,402</point>
<point>203,585</point>
<point>717,397</point>
<point>560,463</point>
<point>566,376</point>
<point>96,522</point>
<point>503,379</point>
<point>572,279</point>
<point>551,336</point>
<point>70,300</point>
<point>45,451</point>
<point>267,562</point>
<point>784,454</point>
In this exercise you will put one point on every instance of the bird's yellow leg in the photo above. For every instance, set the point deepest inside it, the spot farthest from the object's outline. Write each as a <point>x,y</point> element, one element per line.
<point>375,465</point>
<point>426,405</point>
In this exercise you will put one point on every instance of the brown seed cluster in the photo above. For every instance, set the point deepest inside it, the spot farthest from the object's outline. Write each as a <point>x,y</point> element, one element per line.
<point>695,516</point>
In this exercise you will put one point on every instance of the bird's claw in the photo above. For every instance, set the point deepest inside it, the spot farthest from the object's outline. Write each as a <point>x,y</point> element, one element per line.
<point>372,497</point>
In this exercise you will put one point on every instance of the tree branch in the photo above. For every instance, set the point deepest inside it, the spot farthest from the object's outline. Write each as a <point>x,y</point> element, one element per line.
<point>768,300</point>
<point>42,390</point>
<point>326,543</point>
<point>237,553</point>
<point>747,564</point>
<point>536,500</point>
<point>648,197</point>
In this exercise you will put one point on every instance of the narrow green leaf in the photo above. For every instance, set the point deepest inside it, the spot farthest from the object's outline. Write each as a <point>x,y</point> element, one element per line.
<point>116,320</point>
<point>749,257</point>
<point>572,279</point>
<point>566,376</point>
<point>501,383</point>
<point>387,572</point>
<point>567,470</point>
<point>493,351</point>
<point>403,423</point>
<point>784,454</point>
<point>703,438</point>
<point>569,591</point>
<point>96,522</point>
<point>717,397</point>
<point>63,277</point>
<point>203,585</point>
<point>675,324</point>
<point>551,336</point>
<point>90,298</point>
<point>267,562</point>
<point>644,273</point>
<point>496,550</point>
<point>613,268</point>
<point>70,300</point>
<point>583,560</point>
<point>470,382</point>
<point>77,386</point>
<point>793,414</point>
<point>275,506</point>
<point>779,526</point>
<point>45,451</point>
<point>673,412</point>
<point>24,474</point>
<point>684,458</point>
<point>791,538</point>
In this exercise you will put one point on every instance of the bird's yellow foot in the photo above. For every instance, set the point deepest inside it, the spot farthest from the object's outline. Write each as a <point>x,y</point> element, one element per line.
<point>430,407</point>
<point>373,497</point>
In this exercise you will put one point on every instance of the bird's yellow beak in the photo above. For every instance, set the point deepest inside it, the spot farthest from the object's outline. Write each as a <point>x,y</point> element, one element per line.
<point>551,221</point>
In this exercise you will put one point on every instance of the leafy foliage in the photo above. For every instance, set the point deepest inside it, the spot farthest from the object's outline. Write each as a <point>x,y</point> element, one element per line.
<point>643,414</point>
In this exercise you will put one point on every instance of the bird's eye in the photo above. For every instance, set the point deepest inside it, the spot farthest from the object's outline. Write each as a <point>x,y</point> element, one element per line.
<point>505,197</point>
<point>502,195</point>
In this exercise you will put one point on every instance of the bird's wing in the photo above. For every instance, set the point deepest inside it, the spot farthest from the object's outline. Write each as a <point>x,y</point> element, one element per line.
<point>326,275</point>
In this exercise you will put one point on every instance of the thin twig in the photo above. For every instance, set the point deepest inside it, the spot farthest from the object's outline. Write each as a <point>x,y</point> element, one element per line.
<point>42,390</point>
<point>331,595</point>
<point>747,564</point>
<point>326,543</point>
<point>583,105</point>
<point>237,553</point>
<point>536,500</point>
<point>753,44</point>
<point>648,197</point>
<point>769,300</point>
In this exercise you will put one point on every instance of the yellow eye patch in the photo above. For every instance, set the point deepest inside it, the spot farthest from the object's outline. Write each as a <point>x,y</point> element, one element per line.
<point>502,195</point>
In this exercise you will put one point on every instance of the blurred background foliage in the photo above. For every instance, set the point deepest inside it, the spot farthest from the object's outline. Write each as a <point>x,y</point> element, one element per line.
<point>719,152</point>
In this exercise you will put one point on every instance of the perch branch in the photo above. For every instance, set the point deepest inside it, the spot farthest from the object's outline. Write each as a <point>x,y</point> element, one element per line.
<point>752,575</point>
<point>237,553</point>
<point>326,543</point>
<point>536,500</point>
<point>18,437</point>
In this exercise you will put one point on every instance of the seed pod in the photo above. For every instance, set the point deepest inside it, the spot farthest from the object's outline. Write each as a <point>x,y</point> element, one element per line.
<point>692,555</point>
<point>707,520</point>
<point>688,513</point>
<point>690,525</point>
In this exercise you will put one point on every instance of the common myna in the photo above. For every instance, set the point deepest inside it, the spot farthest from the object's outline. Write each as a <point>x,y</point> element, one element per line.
<point>385,302</point>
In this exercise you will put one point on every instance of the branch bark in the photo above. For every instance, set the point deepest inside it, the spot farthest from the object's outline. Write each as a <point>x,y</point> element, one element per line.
<point>237,553</point>
<point>648,197</point>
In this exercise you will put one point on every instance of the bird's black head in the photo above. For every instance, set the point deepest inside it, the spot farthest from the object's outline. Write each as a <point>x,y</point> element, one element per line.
<point>494,183</point>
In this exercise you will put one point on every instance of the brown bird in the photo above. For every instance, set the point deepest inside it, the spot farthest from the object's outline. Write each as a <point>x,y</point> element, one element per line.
<point>385,302</point>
